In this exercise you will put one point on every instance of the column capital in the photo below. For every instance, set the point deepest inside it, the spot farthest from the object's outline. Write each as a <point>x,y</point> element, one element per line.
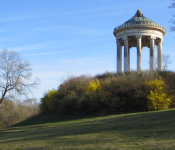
<point>139,36</point>
<point>118,41</point>
<point>160,40</point>
<point>152,37</point>
<point>125,38</point>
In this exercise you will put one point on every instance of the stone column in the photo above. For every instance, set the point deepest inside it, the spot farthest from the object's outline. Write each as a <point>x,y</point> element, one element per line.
<point>159,56</point>
<point>125,54</point>
<point>139,52</point>
<point>152,55</point>
<point>128,59</point>
<point>119,56</point>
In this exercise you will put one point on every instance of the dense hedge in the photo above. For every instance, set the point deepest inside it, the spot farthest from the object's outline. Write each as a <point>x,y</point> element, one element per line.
<point>122,92</point>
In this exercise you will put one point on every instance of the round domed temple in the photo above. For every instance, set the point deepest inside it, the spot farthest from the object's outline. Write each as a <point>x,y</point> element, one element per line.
<point>139,32</point>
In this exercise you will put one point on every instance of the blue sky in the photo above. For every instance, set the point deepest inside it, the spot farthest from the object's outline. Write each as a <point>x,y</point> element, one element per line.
<point>74,37</point>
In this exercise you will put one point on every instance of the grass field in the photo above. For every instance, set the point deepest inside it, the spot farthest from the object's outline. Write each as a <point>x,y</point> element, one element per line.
<point>136,131</point>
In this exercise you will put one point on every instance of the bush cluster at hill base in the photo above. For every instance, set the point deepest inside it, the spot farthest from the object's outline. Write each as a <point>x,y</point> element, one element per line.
<point>114,92</point>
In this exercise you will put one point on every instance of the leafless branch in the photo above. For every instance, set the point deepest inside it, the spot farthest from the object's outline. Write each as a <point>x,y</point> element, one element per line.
<point>172,5</point>
<point>172,21</point>
<point>166,62</point>
<point>15,75</point>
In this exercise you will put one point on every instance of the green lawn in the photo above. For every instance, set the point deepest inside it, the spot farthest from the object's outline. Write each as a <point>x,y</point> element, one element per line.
<point>136,131</point>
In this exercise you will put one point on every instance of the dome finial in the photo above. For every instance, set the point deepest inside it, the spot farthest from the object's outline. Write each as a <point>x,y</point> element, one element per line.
<point>139,13</point>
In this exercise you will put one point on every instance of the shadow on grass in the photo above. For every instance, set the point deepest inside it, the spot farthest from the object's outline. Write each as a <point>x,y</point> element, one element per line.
<point>159,124</point>
<point>44,118</point>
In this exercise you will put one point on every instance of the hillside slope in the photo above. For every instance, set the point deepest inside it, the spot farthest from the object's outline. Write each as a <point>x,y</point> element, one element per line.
<point>148,130</point>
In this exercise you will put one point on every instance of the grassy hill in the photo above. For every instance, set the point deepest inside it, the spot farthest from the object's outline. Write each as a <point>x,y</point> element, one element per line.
<point>146,130</point>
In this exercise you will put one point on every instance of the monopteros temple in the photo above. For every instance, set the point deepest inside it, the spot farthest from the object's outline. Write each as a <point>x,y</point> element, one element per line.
<point>139,32</point>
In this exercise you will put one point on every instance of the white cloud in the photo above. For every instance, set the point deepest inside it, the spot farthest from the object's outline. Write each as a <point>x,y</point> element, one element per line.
<point>51,53</point>
<point>49,45</point>
<point>34,15</point>
<point>103,14</point>
<point>32,47</point>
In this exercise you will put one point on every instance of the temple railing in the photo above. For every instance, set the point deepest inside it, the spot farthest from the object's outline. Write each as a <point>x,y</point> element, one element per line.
<point>141,23</point>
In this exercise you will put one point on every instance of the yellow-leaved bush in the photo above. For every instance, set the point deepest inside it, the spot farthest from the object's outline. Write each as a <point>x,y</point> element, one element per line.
<point>158,98</point>
<point>52,94</point>
<point>94,86</point>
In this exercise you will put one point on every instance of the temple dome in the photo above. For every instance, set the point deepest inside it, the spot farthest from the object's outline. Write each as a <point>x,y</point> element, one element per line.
<point>139,21</point>
<point>139,17</point>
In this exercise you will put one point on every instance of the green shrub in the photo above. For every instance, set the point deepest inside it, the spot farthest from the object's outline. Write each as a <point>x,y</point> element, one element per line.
<point>114,92</point>
<point>124,93</point>
<point>49,101</point>
<point>43,105</point>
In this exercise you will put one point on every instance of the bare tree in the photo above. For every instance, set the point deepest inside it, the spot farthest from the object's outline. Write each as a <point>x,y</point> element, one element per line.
<point>15,75</point>
<point>172,28</point>
<point>13,112</point>
<point>166,62</point>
